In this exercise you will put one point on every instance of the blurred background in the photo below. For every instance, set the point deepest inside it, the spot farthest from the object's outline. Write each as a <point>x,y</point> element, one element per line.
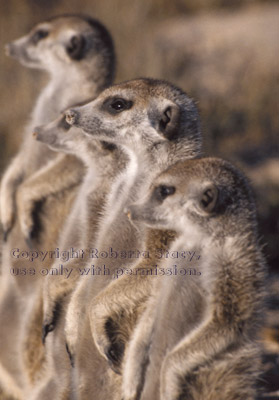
<point>223,53</point>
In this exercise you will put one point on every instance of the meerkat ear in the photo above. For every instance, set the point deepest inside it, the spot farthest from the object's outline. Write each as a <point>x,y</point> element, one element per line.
<point>207,198</point>
<point>75,47</point>
<point>170,122</point>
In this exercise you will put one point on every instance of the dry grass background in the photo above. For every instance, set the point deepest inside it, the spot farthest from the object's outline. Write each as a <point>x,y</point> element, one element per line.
<point>223,53</point>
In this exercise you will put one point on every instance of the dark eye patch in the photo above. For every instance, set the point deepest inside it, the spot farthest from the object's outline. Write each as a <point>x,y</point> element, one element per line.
<point>116,105</point>
<point>39,35</point>
<point>162,192</point>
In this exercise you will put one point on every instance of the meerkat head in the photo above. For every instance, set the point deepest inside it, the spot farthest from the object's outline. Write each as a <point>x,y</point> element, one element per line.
<point>65,42</point>
<point>207,196</point>
<point>141,111</point>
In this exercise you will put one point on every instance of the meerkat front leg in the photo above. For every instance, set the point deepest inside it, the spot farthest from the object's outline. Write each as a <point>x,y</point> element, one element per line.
<point>197,348</point>
<point>114,314</point>
<point>54,294</point>
<point>56,289</point>
<point>10,181</point>
<point>116,310</point>
<point>137,354</point>
<point>75,315</point>
<point>60,174</point>
<point>52,303</point>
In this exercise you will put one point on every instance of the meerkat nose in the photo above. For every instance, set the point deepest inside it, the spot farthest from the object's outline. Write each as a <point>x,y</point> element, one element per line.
<point>8,49</point>
<point>72,116</point>
<point>35,134</point>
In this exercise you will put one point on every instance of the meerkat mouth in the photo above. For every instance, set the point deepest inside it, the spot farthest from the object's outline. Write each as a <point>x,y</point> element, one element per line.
<point>20,54</point>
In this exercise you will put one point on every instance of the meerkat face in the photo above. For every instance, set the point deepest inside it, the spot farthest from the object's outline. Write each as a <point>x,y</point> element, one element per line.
<point>61,41</point>
<point>202,196</point>
<point>168,203</point>
<point>139,111</point>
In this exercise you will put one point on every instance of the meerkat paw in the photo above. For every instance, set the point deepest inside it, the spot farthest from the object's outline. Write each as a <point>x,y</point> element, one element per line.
<point>169,379</point>
<point>48,326</point>
<point>52,311</point>
<point>134,366</point>
<point>71,342</point>
<point>129,394</point>
<point>70,353</point>
<point>132,382</point>
<point>104,328</point>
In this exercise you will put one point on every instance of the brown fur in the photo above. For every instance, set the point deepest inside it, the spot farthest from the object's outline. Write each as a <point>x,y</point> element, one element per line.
<point>201,332</point>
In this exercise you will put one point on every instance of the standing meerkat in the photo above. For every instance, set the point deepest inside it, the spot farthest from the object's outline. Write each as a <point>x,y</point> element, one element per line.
<point>198,336</point>
<point>156,124</point>
<point>103,161</point>
<point>78,54</point>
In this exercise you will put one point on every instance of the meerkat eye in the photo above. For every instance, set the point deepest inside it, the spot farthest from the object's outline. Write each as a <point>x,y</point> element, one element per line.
<point>39,35</point>
<point>164,191</point>
<point>117,105</point>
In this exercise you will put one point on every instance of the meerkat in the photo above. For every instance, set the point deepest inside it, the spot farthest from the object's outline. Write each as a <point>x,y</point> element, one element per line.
<point>155,124</point>
<point>197,338</point>
<point>78,54</point>
<point>103,162</point>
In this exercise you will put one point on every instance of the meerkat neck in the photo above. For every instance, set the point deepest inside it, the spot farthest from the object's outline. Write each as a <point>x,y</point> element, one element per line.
<point>189,243</point>
<point>163,155</point>
<point>73,88</point>
<point>70,86</point>
<point>142,164</point>
<point>80,84</point>
<point>59,94</point>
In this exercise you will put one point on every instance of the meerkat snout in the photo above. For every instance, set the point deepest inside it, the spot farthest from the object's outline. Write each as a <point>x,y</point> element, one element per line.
<point>133,212</point>
<point>41,134</point>
<point>137,212</point>
<point>72,116</point>
<point>8,49</point>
